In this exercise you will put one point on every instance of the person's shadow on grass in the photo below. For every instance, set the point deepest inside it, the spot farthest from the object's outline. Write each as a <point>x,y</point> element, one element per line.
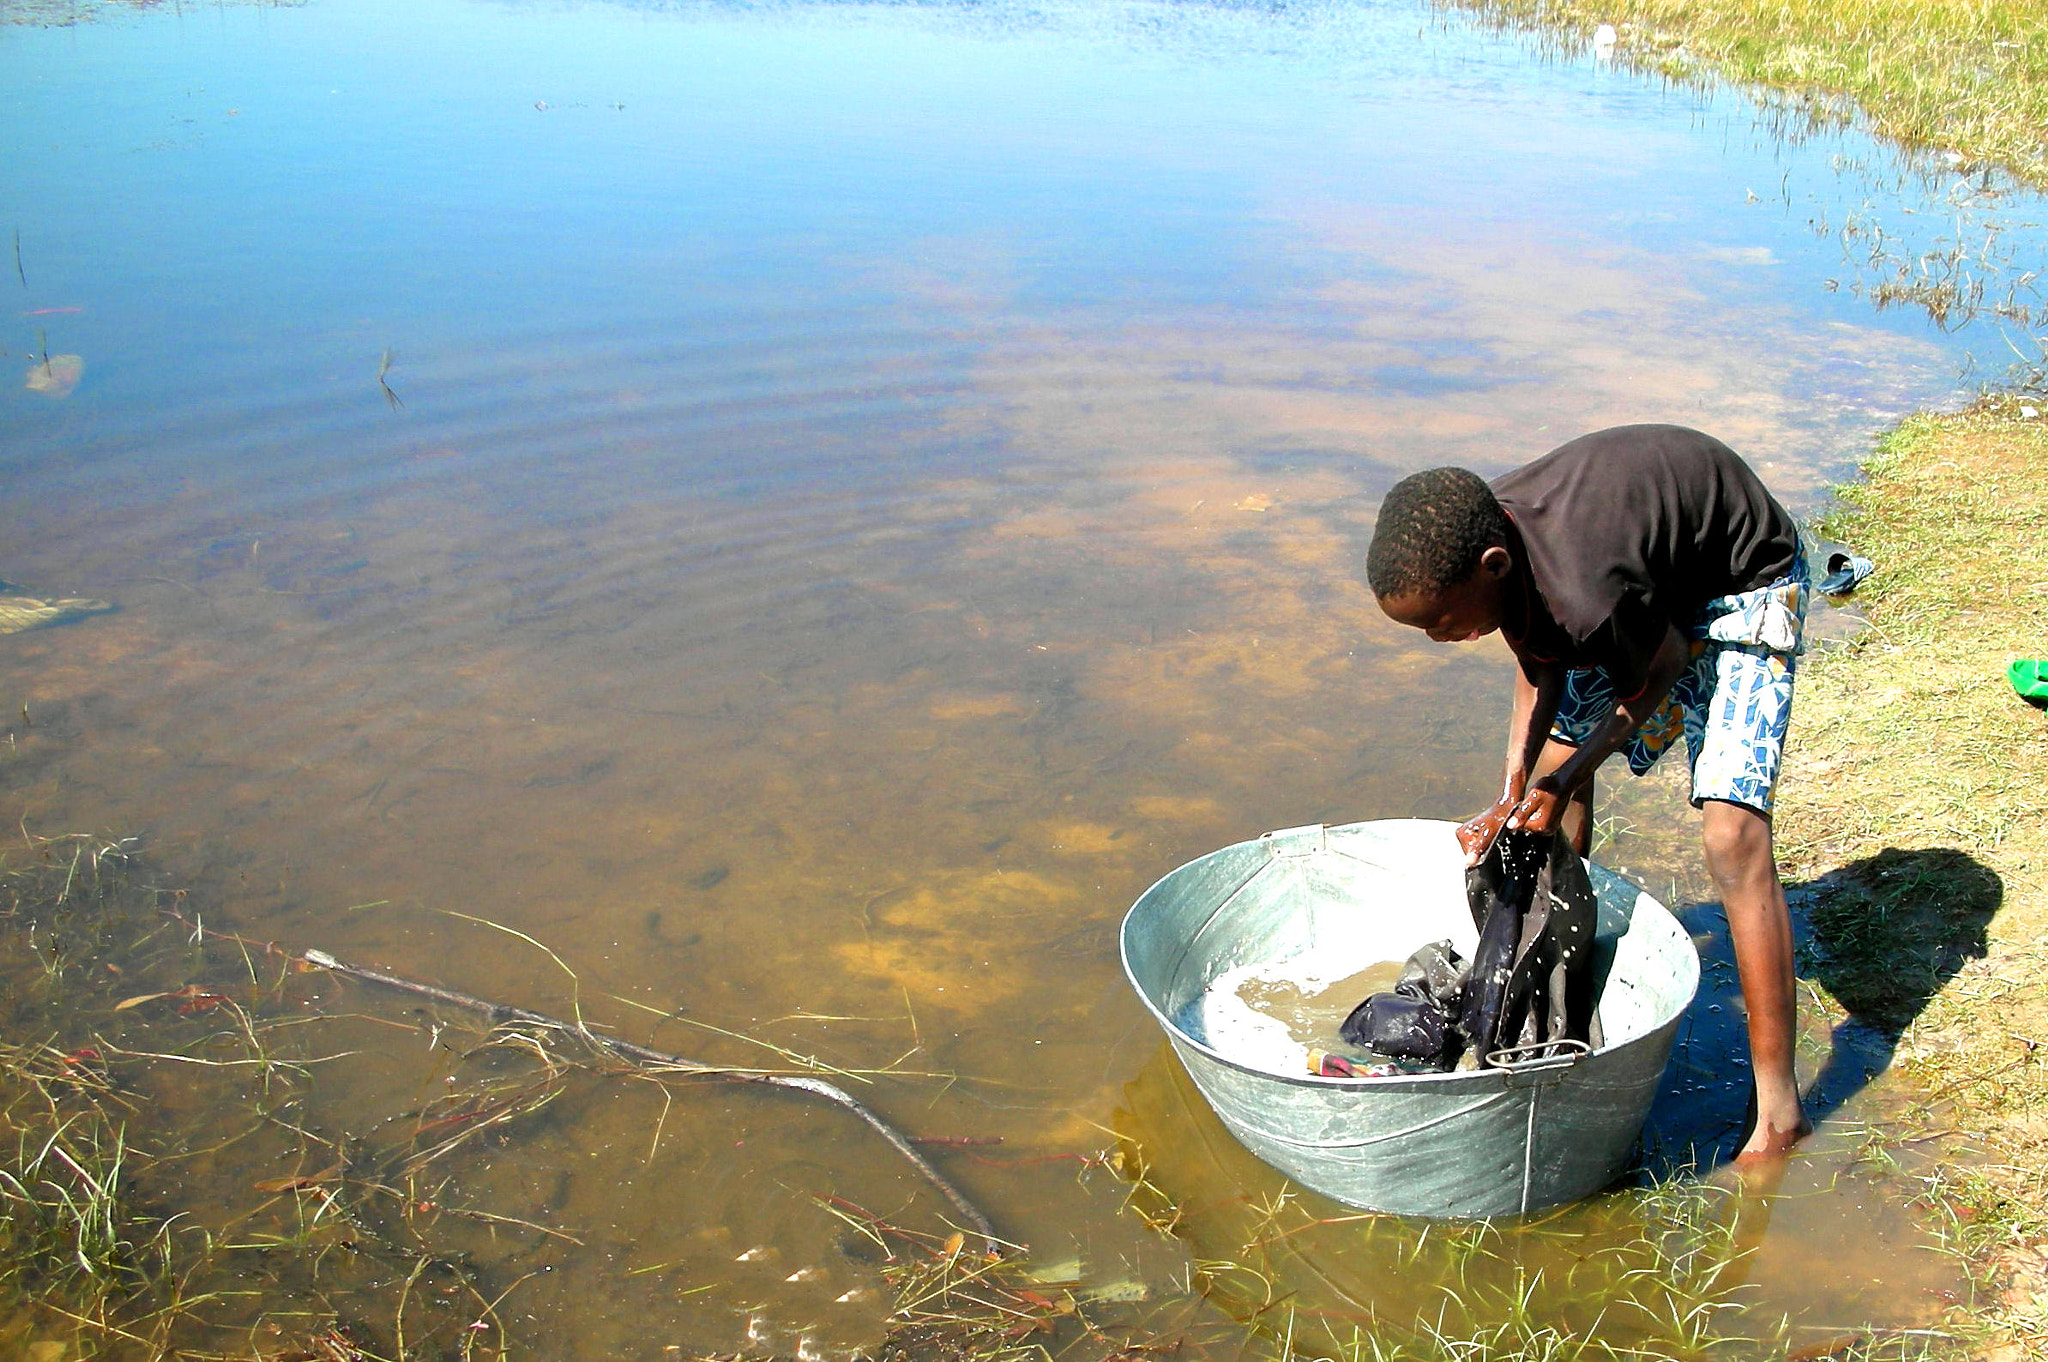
<point>1881,935</point>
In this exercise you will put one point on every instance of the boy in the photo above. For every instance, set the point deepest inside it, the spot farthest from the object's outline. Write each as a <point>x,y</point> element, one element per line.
<point>1648,585</point>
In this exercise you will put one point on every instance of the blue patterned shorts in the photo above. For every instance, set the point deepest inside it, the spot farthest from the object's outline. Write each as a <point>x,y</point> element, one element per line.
<point>1732,704</point>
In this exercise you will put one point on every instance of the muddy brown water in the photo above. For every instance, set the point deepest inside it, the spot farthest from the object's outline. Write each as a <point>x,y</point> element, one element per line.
<point>1313,1010</point>
<point>863,492</point>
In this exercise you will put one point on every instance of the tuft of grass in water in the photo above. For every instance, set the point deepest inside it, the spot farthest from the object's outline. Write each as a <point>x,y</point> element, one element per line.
<point>180,1185</point>
<point>948,1301</point>
<point>1675,1289</point>
<point>1968,77</point>
<point>66,13</point>
<point>71,1239</point>
<point>156,1053</point>
<point>1978,1219</point>
<point>1663,1275</point>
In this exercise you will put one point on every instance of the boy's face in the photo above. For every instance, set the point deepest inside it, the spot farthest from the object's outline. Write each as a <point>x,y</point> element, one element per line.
<point>1463,610</point>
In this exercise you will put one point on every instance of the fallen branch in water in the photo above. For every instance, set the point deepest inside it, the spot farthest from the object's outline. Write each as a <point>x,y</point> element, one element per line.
<point>644,1057</point>
<point>640,1056</point>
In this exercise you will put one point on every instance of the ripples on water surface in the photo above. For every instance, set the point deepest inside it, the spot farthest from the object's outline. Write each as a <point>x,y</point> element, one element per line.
<point>865,490</point>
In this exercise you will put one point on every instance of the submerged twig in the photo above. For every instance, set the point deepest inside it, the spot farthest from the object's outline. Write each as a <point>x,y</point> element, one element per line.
<point>645,1057</point>
<point>490,1219</point>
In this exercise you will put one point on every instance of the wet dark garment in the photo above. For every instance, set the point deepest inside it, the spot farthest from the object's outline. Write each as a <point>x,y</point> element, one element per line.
<point>1529,983</point>
<point>1417,1018</point>
<point>1501,891</point>
<point>1628,531</point>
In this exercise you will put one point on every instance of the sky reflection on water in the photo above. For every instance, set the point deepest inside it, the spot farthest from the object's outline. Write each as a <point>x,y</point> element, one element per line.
<point>875,486</point>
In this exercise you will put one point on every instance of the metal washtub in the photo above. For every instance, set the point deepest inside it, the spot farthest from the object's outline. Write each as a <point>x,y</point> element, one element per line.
<point>1462,1144</point>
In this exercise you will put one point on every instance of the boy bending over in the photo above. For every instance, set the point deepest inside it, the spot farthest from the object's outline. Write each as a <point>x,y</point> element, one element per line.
<point>1648,587</point>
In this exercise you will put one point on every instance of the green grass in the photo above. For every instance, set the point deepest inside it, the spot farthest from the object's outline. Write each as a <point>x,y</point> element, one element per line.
<point>1912,736</point>
<point>71,1240</point>
<point>1663,1275</point>
<point>1912,798</point>
<point>154,1058</point>
<point>1965,76</point>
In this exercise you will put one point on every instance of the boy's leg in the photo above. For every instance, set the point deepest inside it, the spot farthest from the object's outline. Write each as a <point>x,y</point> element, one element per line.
<point>1735,735</point>
<point>1744,866</point>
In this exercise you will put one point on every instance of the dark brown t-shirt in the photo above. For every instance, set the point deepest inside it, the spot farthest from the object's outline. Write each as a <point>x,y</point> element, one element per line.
<point>1630,530</point>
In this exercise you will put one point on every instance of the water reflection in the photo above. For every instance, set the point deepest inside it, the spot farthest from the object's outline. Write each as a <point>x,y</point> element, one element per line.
<point>875,486</point>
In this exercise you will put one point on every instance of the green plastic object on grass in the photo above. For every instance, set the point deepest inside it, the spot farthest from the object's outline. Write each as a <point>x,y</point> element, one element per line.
<point>2029,676</point>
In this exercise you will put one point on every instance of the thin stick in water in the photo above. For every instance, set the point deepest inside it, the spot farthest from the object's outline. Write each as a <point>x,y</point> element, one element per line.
<point>644,1057</point>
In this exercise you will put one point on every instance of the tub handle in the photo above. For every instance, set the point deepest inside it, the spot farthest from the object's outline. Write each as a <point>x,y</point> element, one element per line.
<point>1542,1068</point>
<point>1302,841</point>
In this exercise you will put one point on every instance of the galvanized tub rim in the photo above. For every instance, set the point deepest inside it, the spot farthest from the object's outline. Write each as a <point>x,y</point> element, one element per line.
<point>1189,927</point>
<point>1491,1077</point>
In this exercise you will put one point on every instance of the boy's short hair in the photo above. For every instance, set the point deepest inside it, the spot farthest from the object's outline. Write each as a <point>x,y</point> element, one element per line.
<point>1432,528</point>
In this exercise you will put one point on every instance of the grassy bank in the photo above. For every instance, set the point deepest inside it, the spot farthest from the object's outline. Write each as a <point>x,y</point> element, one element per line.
<point>1967,76</point>
<point>1914,797</point>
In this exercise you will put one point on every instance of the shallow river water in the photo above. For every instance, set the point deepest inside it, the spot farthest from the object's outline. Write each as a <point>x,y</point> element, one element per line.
<point>806,510</point>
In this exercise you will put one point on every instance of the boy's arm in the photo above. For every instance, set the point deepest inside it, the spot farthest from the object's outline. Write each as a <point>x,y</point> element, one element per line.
<point>1537,806</point>
<point>1538,688</point>
<point>1544,803</point>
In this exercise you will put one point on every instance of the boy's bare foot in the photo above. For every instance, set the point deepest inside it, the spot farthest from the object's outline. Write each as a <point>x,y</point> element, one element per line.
<point>1772,1137</point>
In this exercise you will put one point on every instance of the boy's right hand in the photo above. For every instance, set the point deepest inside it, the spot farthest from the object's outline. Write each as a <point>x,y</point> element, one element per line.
<point>1478,835</point>
<point>1537,811</point>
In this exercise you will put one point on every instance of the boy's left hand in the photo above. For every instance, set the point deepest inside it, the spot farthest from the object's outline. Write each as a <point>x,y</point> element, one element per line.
<point>1540,809</point>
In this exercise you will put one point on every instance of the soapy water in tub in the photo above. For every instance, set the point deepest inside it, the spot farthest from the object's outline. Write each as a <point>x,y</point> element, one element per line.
<point>1269,1014</point>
